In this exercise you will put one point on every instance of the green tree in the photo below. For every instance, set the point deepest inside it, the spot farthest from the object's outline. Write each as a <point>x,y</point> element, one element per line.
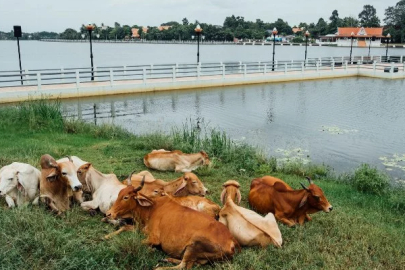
<point>350,22</point>
<point>185,21</point>
<point>335,22</point>
<point>70,34</point>
<point>368,17</point>
<point>395,21</point>
<point>321,27</point>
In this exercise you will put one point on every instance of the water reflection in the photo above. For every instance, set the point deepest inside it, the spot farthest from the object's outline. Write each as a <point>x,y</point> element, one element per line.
<point>274,116</point>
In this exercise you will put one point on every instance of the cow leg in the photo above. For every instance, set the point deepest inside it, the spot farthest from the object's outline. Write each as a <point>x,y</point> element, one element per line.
<point>171,260</point>
<point>284,220</point>
<point>308,217</point>
<point>78,196</point>
<point>35,201</point>
<point>10,201</point>
<point>48,201</point>
<point>151,240</point>
<point>122,229</point>
<point>186,262</point>
<point>89,205</point>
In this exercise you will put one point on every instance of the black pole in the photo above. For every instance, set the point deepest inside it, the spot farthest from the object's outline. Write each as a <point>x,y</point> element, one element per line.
<point>386,52</point>
<point>91,57</point>
<point>369,47</point>
<point>306,46</point>
<point>19,59</point>
<point>351,48</point>
<point>274,49</point>
<point>198,47</point>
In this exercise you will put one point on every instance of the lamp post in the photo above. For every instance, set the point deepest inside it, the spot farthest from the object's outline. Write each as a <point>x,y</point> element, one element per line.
<point>351,46</point>
<point>274,45</point>
<point>18,34</point>
<point>90,28</point>
<point>198,31</point>
<point>388,36</point>
<point>306,46</point>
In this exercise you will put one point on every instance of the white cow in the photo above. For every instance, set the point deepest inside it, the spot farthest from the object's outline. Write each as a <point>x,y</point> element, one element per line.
<point>19,183</point>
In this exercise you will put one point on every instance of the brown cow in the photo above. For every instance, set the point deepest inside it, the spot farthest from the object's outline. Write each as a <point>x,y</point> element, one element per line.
<point>188,184</point>
<point>188,236</point>
<point>248,227</point>
<point>177,161</point>
<point>289,206</point>
<point>58,183</point>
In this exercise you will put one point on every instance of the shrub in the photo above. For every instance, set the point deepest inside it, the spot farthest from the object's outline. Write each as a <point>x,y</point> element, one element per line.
<point>369,179</point>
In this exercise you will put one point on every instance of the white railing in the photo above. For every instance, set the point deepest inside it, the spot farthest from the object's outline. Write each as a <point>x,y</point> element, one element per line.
<point>149,73</point>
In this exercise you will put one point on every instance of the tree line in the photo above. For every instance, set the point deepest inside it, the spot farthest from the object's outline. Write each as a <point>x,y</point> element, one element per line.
<point>238,27</point>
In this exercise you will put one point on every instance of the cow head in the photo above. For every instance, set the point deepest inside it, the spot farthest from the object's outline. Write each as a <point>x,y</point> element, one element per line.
<point>205,158</point>
<point>128,200</point>
<point>315,197</point>
<point>9,181</point>
<point>63,171</point>
<point>191,185</point>
<point>231,188</point>
<point>83,176</point>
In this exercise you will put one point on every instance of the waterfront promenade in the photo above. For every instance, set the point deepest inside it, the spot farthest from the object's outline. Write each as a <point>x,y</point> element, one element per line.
<point>73,83</point>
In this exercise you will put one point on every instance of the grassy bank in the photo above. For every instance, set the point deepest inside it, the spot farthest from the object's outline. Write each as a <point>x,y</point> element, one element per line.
<point>366,229</point>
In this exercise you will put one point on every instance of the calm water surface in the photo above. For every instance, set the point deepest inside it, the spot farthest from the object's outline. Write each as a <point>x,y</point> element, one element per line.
<point>342,122</point>
<point>40,55</point>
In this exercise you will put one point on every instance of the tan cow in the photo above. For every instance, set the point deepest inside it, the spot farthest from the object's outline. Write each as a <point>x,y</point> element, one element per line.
<point>188,184</point>
<point>58,183</point>
<point>248,227</point>
<point>189,237</point>
<point>177,161</point>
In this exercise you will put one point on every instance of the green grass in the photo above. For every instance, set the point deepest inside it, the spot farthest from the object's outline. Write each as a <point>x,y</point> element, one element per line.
<point>364,231</point>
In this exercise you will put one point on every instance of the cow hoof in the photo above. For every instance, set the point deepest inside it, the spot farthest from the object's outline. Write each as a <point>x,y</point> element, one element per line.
<point>92,212</point>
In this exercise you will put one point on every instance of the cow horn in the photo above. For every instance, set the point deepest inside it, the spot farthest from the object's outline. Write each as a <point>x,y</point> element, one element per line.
<point>69,158</point>
<point>141,186</point>
<point>303,186</point>
<point>309,180</point>
<point>129,182</point>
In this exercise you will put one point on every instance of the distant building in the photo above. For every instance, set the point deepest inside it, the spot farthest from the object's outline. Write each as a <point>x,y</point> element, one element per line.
<point>362,37</point>
<point>164,27</point>
<point>135,31</point>
<point>297,29</point>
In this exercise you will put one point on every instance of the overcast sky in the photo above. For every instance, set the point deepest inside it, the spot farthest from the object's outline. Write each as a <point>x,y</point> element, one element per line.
<point>56,15</point>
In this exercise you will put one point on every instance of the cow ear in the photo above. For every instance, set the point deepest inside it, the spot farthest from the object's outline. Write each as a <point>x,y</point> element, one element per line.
<point>223,196</point>
<point>86,166</point>
<point>48,162</point>
<point>238,196</point>
<point>20,186</point>
<point>181,187</point>
<point>304,200</point>
<point>143,201</point>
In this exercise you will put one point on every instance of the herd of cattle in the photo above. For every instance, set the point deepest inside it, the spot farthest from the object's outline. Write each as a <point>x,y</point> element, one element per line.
<point>174,215</point>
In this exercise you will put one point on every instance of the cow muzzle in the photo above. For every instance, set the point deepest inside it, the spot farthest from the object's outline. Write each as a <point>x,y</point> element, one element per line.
<point>328,209</point>
<point>77,188</point>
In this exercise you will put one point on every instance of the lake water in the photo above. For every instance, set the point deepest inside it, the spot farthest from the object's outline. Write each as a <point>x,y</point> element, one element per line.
<point>41,55</point>
<point>342,122</point>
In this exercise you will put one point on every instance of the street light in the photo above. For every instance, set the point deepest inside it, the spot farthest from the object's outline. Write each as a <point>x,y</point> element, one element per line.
<point>351,47</point>
<point>198,31</point>
<point>274,44</point>
<point>388,36</point>
<point>306,46</point>
<point>90,28</point>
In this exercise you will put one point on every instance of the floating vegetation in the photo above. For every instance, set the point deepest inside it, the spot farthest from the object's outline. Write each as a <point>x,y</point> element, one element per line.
<point>395,161</point>
<point>293,155</point>
<point>337,130</point>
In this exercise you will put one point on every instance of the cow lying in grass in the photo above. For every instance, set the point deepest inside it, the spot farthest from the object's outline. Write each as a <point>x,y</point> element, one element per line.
<point>187,184</point>
<point>189,237</point>
<point>19,183</point>
<point>177,161</point>
<point>248,227</point>
<point>58,183</point>
<point>289,206</point>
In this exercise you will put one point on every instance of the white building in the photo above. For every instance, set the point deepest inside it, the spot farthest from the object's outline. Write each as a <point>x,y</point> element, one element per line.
<point>362,37</point>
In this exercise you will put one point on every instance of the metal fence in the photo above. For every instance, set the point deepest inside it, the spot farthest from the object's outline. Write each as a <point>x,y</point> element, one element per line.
<point>146,73</point>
